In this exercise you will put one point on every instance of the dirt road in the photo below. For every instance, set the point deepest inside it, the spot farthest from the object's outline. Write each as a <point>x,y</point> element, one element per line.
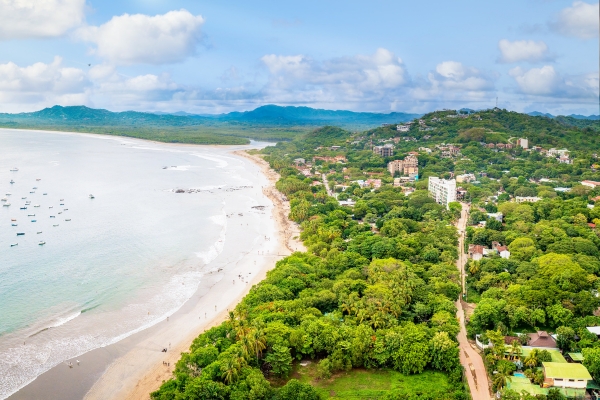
<point>469,357</point>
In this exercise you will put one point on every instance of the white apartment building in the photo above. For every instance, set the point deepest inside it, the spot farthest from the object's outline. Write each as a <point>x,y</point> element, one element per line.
<point>442,190</point>
<point>524,143</point>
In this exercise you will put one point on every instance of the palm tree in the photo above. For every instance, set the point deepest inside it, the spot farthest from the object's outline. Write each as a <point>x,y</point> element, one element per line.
<point>515,348</point>
<point>532,360</point>
<point>500,379</point>
<point>231,371</point>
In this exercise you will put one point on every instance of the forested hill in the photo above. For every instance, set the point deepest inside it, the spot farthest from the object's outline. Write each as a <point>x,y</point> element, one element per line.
<point>502,126</point>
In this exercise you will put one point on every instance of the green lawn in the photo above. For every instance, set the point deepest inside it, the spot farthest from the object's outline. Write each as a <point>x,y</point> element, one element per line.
<point>366,384</point>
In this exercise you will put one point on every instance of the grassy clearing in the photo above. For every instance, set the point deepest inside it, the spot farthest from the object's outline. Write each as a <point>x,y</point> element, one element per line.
<point>366,384</point>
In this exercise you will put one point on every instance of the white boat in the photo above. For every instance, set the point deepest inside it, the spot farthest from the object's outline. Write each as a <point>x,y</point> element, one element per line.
<point>45,194</point>
<point>53,216</point>
<point>24,198</point>
<point>51,207</point>
<point>9,194</point>
<point>14,224</point>
<point>68,219</point>
<point>14,244</point>
<point>92,196</point>
<point>55,225</point>
<point>4,199</point>
<point>13,219</point>
<point>11,181</point>
<point>35,188</point>
<point>6,204</point>
<point>31,215</point>
<point>41,243</point>
<point>38,179</point>
<point>14,169</point>
<point>39,232</point>
<point>36,205</point>
<point>62,199</point>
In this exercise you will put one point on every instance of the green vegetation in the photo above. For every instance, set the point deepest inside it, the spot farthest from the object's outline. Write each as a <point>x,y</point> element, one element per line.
<point>373,297</point>
<point>374,383</point>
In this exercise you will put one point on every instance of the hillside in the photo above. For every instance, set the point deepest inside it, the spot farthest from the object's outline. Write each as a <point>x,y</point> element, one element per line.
<point>499,126</point>
<point>264,123</point>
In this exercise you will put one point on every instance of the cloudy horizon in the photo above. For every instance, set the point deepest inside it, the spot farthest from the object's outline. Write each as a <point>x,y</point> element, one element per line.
<point>380,56</point>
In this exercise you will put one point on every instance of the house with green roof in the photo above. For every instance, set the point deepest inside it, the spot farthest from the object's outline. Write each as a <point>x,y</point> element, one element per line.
<point>565,375</point>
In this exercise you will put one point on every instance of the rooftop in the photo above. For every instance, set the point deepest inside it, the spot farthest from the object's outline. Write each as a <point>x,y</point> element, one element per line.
<point>565,371</point>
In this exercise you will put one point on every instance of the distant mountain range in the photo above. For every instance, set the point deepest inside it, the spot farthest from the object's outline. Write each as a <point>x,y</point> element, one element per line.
<point>576,116</point>
<point>269,115</point>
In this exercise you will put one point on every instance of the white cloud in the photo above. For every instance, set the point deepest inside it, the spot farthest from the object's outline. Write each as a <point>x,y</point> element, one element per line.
<point>142,39</point>
<point>453,75</point>
<point>22,19</point>
<point>523,50</point>
<point>580,20</point>
<point>545,81</point>
<point>537,81</point>
<point>40,85</point>
<point>360,78</point>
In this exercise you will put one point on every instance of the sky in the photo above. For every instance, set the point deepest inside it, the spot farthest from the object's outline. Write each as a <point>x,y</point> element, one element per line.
<point>209,57</point>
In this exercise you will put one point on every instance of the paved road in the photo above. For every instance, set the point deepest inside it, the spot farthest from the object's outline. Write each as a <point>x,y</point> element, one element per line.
<point>469,357</point>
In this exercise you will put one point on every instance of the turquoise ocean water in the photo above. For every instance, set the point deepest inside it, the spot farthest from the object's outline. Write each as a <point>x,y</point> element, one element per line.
<point>111,265</point>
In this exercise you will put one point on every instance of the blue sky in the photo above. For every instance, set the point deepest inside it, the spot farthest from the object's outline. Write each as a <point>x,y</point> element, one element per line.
<point>220,56</point>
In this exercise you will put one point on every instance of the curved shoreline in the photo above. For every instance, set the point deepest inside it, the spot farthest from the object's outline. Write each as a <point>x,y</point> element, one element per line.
<point>133,367</point>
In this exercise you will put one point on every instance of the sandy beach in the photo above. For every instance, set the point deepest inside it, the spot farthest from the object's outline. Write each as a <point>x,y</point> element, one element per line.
<point>135,366</point>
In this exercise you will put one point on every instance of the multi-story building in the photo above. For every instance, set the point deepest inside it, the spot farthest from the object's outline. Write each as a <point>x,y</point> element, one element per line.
<point>442,190</point>
<point>386,150</point>
<point>524,143</point>
<point>407,167</point>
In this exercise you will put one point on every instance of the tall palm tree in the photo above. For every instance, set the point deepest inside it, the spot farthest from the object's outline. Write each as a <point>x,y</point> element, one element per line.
<point>232,368</point>
<point>516,349</point>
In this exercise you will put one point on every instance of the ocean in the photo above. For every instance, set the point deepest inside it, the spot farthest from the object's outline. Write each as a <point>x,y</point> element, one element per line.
<point>88,272</point>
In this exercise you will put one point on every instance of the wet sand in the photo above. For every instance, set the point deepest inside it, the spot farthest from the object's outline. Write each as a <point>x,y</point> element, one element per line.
<point>133,367</point>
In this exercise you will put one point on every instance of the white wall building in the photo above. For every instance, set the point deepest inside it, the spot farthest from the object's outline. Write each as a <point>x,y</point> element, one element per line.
<point>442,190</point>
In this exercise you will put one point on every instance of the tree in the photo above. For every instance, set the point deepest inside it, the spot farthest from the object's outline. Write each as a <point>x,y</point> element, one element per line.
<point>522,249</point>
<point>591,360</point>
<point>295,390</point>
<point>559,315</point>
<point>280,360</point>
<point>203,389</point>
<point>455,209</point>
<point>444,352</point>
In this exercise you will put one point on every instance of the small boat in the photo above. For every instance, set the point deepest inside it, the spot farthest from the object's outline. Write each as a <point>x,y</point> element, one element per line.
<point>92,196</point>
<point>14,244</point>
<point>165,167</point>
<point>68,219</point>
<point>31,215</point>
<point>8,194</point>
<point>66,209</point>
<point>53,216</point>
<point>62,199</point>
<point>36,205</point>
<point>11,181</point>
<point>45,194</point>
<point>62,204</point>
<point>32,192</point>
<point>39,232</point>
<point>23,208</point>
<point>20,233</point>
<point>34,220</point>
<point>41,243</point>
<point>28,202</point>
<point>38,179</point>
<point>60,212</point>
<point>35,188</point>
<point>24,198</point>
<point>4,199</point>
<point>6,204</point>
<point>55,225</point>
<point>13,219</point>
<point>14,224</point>
<point>14,169</point>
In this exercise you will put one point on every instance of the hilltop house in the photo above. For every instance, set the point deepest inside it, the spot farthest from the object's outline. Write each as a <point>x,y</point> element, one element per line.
<point>541,339</point>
